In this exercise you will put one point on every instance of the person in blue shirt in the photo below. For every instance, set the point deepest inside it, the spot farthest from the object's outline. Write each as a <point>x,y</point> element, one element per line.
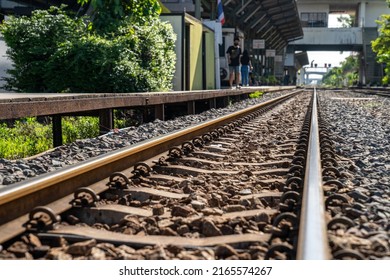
<point>246,66</point>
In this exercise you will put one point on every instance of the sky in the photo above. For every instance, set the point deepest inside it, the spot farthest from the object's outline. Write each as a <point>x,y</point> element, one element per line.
<point>322,57</point>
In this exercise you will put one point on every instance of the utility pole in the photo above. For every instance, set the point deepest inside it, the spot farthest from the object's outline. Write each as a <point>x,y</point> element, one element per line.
<point>197,8</point>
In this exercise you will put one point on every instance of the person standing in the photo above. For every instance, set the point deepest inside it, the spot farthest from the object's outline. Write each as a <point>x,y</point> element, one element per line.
<point>233,56</point>
<point>246,66</point>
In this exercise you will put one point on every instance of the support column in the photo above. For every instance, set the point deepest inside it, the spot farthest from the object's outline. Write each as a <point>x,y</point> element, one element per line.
<point>159,112</point>
<point>191,107</point>
<point>362,68</point>
<point>362,14</point>
<point>363,54</point>
<point>225,101</point>
<point>106,121</point>
<point>197,9</point>
<point>305,78</point>
<point>213,103</point>
<point>57,130</point>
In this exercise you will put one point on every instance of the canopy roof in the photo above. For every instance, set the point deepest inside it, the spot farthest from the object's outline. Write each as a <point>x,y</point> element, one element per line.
<point>276,21</point>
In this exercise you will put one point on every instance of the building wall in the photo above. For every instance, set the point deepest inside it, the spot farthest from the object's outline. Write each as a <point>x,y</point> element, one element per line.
<point>5,63</point>
<point>177,24</point>
<point>317,8</point>
<point>330,36</point>
<point>189,67</point>
<point>374,11</point>
<point>196,31</point>
<point>210,60</point>
<point>372,68</point>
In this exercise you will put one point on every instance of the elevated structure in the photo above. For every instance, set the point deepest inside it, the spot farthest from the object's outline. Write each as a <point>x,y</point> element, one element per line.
<point>314,16</point>
<point>277,22</point>
<point>312,74</point>
<point>262,24</point>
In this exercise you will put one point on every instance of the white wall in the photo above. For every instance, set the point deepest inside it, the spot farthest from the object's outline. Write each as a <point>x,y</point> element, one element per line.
<point>313,8</point>
<point>5,63</point>
<point>9,4</point>
<point>331,36</point>
<point>177,24</point>
<point>374,11</point>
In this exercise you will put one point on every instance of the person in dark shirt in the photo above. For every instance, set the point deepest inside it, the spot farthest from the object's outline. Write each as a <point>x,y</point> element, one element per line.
<point>246,66</point>
<point>233,56</point>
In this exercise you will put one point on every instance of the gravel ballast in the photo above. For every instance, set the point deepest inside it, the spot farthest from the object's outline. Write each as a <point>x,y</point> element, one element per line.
<point>361,133</point>
<point>13,171</point>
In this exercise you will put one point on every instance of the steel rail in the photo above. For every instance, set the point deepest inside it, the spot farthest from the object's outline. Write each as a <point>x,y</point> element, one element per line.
<point>17,200</point>
<point>312,239</point>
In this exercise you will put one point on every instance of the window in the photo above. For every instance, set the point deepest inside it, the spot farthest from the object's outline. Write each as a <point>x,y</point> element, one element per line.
<point>314,19</point>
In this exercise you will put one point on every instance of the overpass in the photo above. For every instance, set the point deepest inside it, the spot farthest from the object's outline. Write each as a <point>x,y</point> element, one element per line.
<point>309,74</point>
<point>357,38</point>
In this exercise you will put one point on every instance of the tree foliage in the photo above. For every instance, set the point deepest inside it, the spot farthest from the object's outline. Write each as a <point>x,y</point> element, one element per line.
<point>346,21</point>
<point>382,45</point>
<point>32,41</point>
<point>121,47</point>
<point>346,75</point>
<point>110,15</point>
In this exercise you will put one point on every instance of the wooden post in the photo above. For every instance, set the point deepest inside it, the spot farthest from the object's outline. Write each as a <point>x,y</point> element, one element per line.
<point>57,131</point>
<point>106,121</point>
<point>191,107</point>
<point>159,112</point>
<point>213,103</point>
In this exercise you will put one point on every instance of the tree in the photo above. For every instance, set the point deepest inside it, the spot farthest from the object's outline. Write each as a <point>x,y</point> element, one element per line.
<point>381,45</point>
<point>109,16</point>
<point>347,74</point>
<point>347,21</point>
<point>121,47</point>
<point>32,42</point>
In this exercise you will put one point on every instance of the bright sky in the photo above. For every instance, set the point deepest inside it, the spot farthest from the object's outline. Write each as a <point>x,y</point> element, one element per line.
<point>322,57</point>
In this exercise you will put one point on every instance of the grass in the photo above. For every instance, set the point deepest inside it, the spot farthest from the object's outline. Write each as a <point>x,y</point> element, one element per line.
<point>256,94</point>
<point>28,137</point>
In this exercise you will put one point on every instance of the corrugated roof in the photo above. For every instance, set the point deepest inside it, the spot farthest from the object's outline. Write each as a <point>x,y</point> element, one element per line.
<point>276,21</point>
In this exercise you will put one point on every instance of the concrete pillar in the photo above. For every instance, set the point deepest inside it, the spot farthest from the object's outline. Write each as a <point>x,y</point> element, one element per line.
<point>197,9</point>
<point>159,112</point>
<point>302,77</point>
<point>362,68</point>
<point>362,14</point>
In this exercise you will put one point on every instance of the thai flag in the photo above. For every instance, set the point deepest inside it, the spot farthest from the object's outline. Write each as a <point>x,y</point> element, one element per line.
<point>221,16</point>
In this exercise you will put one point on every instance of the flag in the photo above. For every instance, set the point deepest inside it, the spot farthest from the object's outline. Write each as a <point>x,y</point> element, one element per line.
<point>221,16</point>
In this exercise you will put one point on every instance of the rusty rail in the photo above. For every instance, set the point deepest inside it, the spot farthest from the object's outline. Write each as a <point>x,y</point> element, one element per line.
<point>312,240</point>
<point>56,189</point>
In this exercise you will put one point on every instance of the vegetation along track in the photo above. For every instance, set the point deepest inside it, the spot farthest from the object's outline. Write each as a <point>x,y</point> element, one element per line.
<point>231,188</point>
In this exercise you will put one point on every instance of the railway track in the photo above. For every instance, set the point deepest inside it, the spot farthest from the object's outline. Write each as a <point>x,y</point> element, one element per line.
<point>230,188</point>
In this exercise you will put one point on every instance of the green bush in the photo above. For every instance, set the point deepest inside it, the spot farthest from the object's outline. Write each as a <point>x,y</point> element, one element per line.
<point>82,65</point>
<point>32,41</point>
<point>117,51</point>
<point>74,128</point>
<point>25,138</point>
<point>256,94</point>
